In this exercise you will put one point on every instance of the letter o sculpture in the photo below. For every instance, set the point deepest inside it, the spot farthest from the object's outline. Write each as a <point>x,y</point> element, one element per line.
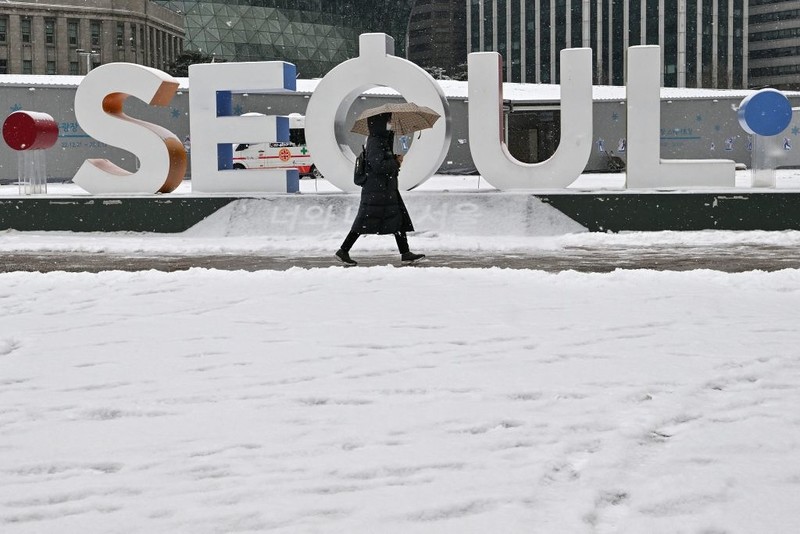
<point>327,113</point>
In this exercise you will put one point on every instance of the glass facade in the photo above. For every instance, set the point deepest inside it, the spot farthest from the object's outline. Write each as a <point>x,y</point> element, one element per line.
<point>576,16</point>
<point>722,44</point>
<point>670,45</point>
<point>706,44</point>
<point>691,44</point>
<point>617,44</point>
<point>544,42</point>
<point>560,7</point>
<point>502,32</point>
<point>635,30</point>
<point>315,35</point>
<point>651,37</point>
<point>773,43</point>
<point>738,41</point>
<point>703,42</point>
<point>528,26</point>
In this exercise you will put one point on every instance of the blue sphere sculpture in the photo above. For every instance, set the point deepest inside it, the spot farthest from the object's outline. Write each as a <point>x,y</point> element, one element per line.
<point>766,112</point>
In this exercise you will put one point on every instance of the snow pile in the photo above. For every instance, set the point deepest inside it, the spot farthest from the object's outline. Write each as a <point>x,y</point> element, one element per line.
<point>399,400</point>
<point>470,214</point>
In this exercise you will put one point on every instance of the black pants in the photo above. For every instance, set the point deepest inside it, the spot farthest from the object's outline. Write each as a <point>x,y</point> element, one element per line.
<point>399,237</point>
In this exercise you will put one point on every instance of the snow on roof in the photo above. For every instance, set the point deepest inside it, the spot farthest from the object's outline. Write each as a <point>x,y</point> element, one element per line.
<point>513,92</point>
<point>50,80</point>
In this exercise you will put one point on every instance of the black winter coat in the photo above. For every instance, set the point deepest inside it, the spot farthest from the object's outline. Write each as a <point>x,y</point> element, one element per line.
<point>381,210</point>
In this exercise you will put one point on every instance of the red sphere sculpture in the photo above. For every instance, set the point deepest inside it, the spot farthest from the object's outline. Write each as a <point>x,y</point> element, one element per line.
<point>30,130</point>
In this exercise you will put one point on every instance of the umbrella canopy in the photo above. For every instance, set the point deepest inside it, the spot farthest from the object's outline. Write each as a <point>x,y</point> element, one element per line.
<point>406,118</point>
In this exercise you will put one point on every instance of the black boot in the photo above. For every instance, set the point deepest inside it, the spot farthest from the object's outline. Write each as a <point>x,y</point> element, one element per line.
<point>345,257</point>
<point>410,256</point>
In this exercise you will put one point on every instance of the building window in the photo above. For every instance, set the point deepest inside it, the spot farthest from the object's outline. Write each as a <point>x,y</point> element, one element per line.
<point>72,32</point>
<point>141,37</point>
<point>784,33</point>
<point>120,34</point>
<point>3,66</point>
<point>3,29</point>
<point>73,68</point>
<point>775,52</point>
<point>27,66</point>
<point>51,67</point>
<point>25,29</point>
<point>133,36</point>
<point>96,30</point>
<point>152,60</point>
<point>50,31</point>
<point>775,16</point>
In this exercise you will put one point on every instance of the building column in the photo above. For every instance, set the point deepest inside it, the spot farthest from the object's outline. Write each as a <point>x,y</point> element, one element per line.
<point>37,44</point>
<point>481,35</point>
<point>62,45</point>
<point>611,22</point>
<point>553,73</point>
<point>745,46</point>
<point>523,43</point>
<point>469,26</point>
<point>714,44</point>
<point>509,28</point>
<point>84,39</point>
<point>661,37</point>
<point>642,23</point>
<point>568,25</point>
<point>681,65</point>
<point>586,29</point>
<point>129,28</point>
<point>108,40</point>
<point>494,26</point>
<point>14,52</point>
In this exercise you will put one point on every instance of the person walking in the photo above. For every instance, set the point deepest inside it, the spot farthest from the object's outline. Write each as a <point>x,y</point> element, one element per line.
<point>381,210</point>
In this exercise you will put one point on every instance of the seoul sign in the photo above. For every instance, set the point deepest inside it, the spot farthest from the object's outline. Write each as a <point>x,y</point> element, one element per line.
<point>214,128</point>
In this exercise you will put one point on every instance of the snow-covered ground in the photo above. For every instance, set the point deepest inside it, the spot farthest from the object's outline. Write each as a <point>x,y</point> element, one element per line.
<point>397,399</point>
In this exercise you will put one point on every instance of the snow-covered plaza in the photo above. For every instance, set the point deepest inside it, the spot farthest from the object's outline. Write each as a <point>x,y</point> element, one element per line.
<point>387,399</point>
<point>399,400</point>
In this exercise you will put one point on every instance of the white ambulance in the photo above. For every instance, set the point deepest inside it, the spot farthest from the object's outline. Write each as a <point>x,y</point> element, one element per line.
<point>278,155</point>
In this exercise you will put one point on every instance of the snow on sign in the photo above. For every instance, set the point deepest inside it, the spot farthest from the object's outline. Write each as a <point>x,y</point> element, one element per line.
<point>215,130</point>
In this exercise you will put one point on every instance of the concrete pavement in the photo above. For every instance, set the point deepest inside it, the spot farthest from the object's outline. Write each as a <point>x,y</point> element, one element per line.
<point>734,258</point>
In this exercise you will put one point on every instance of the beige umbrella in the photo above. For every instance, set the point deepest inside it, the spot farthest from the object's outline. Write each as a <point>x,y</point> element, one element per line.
<point>406,118</point>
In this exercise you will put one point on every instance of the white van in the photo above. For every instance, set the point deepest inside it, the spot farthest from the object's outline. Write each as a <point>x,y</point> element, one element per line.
<point>278,155</point>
